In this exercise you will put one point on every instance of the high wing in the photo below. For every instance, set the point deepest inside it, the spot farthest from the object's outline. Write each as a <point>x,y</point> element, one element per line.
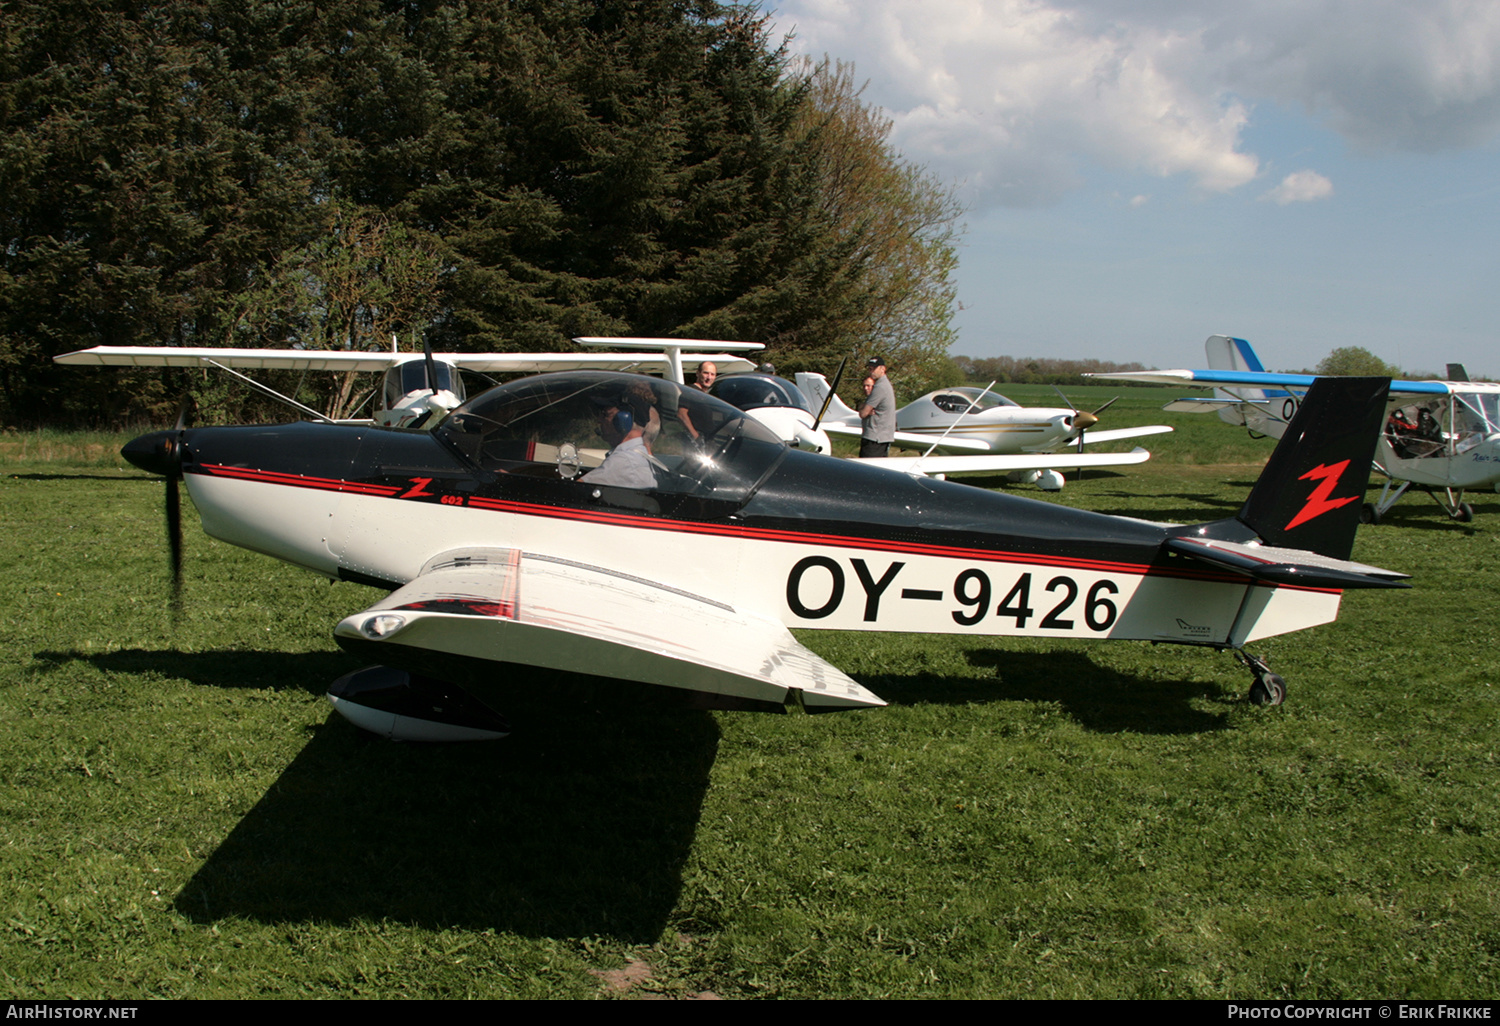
<point>508,606</point>
<point>1001,464</point>
<point>337,360</point>
<point>1257,379</point>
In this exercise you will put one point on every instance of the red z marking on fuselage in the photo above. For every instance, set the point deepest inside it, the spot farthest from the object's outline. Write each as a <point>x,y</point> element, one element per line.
<point>418,488</point>
<point>1318,502</point>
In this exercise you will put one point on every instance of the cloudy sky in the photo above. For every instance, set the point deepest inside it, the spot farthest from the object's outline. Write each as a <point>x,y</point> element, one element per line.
<point>1140,174</point>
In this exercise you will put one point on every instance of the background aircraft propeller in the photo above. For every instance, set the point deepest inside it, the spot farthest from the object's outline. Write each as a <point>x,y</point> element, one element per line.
<point>1083,421</point>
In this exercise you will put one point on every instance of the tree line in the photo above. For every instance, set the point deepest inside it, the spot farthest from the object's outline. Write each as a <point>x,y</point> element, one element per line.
<point>488,176</point>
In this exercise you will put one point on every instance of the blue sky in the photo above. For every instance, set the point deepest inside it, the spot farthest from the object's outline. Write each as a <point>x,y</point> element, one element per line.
<point>1141,174</point>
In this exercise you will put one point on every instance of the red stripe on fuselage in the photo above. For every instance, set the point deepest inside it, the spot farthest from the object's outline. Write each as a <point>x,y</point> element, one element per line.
<point>327,484</point>
<point>744,531</point>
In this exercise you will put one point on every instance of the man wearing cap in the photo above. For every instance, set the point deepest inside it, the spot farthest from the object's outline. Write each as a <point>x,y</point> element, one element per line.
<point>878,413</point>
<point>622,422</point>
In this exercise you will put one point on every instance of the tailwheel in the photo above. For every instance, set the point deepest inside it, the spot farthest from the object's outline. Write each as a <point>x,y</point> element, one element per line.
<point>1268,688</point>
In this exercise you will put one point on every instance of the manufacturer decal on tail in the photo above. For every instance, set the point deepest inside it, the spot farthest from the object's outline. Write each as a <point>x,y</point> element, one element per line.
<point>1309,495</point>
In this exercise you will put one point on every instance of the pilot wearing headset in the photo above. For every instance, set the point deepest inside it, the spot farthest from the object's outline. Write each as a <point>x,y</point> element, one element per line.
<point>622,421</point>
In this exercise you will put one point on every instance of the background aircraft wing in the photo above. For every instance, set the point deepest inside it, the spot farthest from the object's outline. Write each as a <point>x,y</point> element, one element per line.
<point>338,360</point>
<point>1257,379</point>
<point>542,363</point>
<point>1004,464</point>
<point>538,610</point>
<point>1122,434</point>
<point>909,440</point>
<point>245,359</point>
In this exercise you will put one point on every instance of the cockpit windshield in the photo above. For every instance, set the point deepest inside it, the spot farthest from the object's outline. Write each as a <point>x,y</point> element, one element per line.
<point>411,376</point>
<point>757,391</point>
<point>968,400</point>
<point>617,430</point>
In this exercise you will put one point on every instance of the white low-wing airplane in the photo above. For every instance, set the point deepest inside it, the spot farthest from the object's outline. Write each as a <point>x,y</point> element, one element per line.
<point>779,405</point>
<point>978,431</point>
<point>499,551</point>
<point>1442,437</point>
<point>419,388</point>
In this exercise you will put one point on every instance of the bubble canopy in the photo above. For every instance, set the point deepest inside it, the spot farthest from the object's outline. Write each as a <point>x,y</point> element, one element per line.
<point>563,427</point>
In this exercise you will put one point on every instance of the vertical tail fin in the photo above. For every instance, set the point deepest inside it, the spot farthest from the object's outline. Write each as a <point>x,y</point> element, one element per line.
<point>814,388</point>
<point>1310,494</point>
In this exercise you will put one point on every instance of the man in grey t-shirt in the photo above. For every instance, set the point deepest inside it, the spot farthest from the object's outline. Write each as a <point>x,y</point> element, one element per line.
<point>878,413</point>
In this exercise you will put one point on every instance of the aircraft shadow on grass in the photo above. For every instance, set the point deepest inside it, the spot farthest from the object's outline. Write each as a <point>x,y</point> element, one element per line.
<point>578,824</point>
<point>70,477</point>
<point>1099,699</point>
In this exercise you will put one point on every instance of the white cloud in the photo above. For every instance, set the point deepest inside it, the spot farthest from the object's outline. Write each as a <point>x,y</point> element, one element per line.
<point>1300,187</point>
<point>1018,97</point>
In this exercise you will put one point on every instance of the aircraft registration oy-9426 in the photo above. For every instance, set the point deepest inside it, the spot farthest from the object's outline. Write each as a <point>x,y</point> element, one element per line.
<point>518,533</point>
<point>1442,437</point>
<point>979,431</point>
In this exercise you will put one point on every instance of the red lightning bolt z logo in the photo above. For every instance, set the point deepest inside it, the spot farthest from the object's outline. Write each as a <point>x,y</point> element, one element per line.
<point>1318,502</point>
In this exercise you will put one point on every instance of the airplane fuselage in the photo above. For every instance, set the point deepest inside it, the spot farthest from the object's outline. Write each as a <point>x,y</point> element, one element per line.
<point>1003,429</point>
<point>821,543</point>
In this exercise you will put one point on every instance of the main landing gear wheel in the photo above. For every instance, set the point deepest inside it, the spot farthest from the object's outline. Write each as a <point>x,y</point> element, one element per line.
<point>1368,514</point>
<point>1268,688</point>
<point>1464,513</point>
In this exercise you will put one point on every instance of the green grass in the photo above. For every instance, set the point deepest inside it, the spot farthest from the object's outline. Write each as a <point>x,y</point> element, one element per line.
<point>182,815</point>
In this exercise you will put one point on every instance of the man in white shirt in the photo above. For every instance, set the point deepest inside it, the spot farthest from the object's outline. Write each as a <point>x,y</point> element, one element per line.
<point>628,464</point>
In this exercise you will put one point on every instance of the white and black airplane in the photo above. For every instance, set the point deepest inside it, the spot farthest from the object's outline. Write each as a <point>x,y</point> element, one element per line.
<point>501,545</point>
<point>1441,437</point>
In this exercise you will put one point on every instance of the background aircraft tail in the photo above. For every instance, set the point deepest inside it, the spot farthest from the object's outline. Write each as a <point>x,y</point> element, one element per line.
<point>815,388</point>
<point>1310,493</point>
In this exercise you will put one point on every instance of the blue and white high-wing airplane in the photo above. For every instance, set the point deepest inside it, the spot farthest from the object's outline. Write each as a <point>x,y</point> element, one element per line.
<point>1441,437</point>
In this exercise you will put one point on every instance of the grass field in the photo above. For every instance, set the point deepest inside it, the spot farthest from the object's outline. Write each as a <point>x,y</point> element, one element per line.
<point>182,815</point>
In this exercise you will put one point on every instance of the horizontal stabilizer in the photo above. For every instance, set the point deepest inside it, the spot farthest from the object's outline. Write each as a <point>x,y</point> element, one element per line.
<point>1291,567</point>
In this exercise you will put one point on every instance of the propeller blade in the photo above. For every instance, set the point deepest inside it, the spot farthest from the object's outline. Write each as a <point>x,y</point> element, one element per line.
<point>172,447</point>
<point>174,541</point>
<point>832,391</point>
<point>432,379</point>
